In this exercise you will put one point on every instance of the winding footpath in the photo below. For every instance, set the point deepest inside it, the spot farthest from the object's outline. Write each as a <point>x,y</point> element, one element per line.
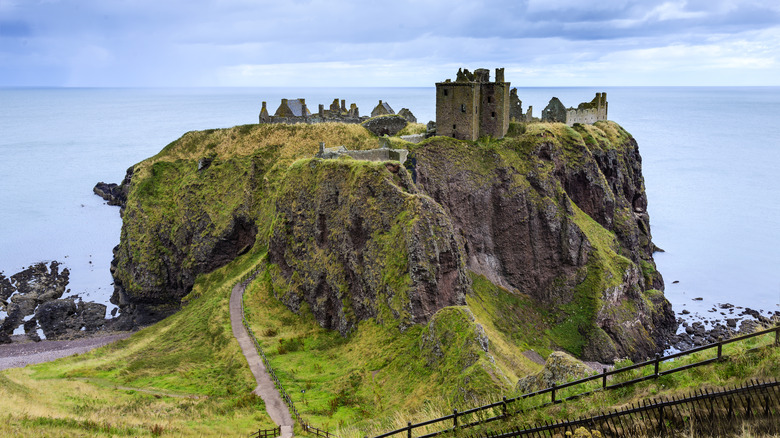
<point>274,404</point>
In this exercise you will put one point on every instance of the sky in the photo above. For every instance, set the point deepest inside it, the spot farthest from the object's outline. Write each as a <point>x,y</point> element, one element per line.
<point>222,43</point>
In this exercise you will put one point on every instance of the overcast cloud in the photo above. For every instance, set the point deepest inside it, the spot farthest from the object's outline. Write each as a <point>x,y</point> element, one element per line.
<point>387,43</point>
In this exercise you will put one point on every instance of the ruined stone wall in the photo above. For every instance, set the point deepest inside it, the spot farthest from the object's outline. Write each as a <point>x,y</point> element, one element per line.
<point>585,113</point>
<point>379,155</point>
<point>584,116</point>
<point>457,110</point>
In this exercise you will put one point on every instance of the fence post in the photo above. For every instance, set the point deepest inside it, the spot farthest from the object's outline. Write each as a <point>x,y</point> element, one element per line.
<point>503,407</point>
<point>657,363</point>
<point>720,347</point>
<point>409,429</point>
<point>553,393</point>
<point>777,334</point>
<point>604,378</point>
<point>455,420</point>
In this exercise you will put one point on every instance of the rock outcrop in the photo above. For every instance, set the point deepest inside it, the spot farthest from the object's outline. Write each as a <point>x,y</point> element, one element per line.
<point>559,367</point>
<point>115,194</point>
<point>31,298</point>
<point>354,240</point>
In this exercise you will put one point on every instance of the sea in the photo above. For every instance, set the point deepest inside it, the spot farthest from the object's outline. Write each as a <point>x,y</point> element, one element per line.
<point>710,161</point>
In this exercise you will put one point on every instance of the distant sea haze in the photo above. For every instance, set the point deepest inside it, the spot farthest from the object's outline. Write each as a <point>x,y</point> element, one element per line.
<point>710,160</point>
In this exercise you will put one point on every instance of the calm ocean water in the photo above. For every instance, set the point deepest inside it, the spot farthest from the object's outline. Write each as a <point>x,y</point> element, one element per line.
<point>710,156</point>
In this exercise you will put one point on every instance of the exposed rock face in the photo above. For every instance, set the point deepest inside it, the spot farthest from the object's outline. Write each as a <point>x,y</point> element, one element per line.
<point>558,368</point>
<point>385,125</point>
<point>521,219</point>
<point>178,223</point>
<point>115,194</point>
<point>31,299</point>
<point>353,242</point>
<point>68,318</point>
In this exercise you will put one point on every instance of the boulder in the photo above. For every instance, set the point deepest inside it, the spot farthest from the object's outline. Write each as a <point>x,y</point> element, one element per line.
<point>559,368</point>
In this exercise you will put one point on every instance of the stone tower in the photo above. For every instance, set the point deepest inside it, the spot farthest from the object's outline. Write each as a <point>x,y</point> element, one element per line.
<point>472,106</point>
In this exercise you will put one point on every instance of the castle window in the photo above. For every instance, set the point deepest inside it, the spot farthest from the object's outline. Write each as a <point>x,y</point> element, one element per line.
<point>490,99</point>
<point>446,92</point>
<point>493,114</point>
<point>463,108</point>
<point>453,127</point>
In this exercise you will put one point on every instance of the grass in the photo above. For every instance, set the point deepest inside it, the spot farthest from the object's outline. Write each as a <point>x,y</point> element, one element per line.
<point>351,384</point>
<point>738,366</point>
<point>183,376</point>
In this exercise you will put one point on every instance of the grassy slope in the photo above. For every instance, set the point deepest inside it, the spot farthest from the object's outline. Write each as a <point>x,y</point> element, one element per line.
<point>184,375</point>
<point>738,367</point>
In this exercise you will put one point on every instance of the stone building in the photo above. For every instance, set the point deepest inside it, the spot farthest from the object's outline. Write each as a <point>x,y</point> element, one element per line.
<point>472,106</point>
<point>585,113</point>
<point>382,109</point>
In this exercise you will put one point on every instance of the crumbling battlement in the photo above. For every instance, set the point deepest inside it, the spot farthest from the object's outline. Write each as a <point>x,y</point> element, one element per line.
<point>585,113</point>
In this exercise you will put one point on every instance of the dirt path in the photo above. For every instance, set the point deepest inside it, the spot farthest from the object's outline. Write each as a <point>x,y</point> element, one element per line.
<point>25,353</point>
<point>274,404</point>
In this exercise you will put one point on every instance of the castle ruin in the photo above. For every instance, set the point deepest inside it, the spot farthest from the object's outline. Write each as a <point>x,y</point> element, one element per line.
<point>296,111</point>
<point>472,106</point>
<point>585,113</point>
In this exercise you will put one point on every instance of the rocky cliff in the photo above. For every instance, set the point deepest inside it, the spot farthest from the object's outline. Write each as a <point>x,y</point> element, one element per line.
<point>554,213</point>
<point>355,240</point>
<point>559,214</point>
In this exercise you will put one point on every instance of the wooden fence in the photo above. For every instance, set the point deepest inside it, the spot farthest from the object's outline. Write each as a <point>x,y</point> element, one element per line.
<point>704,413</point>
<point>507,406</point>
<point>245,280</point>
<point>267,433</point>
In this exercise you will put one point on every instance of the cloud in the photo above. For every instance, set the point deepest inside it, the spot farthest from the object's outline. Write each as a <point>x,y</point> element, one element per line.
<point>177,42</point>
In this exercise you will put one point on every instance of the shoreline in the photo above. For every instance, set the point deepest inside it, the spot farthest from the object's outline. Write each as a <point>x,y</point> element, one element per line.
<point>22,351</point>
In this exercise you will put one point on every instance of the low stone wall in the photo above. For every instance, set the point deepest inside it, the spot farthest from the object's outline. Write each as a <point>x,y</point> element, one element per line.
<point>379,155</point>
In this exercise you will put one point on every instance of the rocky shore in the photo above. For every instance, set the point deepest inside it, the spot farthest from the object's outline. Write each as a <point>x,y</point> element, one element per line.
<point>696,330</point>
<point>33,299</point>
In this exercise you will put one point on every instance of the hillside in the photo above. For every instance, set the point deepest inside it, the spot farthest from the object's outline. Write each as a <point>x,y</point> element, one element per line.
<point>382,287</point>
